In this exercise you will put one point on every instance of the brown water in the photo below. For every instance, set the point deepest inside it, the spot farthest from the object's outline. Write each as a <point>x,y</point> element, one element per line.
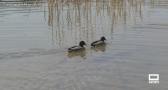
<point>34,37</point>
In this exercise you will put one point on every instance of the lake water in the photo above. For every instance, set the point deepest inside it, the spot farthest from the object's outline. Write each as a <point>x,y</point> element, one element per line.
<point>35,34</point>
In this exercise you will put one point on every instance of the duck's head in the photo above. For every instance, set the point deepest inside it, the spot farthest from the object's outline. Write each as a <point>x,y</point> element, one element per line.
<point>103,38</point>
<point>82,43</point>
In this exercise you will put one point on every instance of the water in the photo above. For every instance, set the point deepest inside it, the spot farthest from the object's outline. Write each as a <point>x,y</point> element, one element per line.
<point>35,35</point>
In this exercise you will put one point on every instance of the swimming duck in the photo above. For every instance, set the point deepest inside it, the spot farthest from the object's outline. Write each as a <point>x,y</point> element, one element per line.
<point>98,42</point>
<point>77,48</point>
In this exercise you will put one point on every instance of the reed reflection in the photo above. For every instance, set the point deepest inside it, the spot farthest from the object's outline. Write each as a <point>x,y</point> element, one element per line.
<point>71,21</point>
<point>75,20</point>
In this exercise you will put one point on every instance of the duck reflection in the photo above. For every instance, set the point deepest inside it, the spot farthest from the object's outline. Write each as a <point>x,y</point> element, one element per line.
<point>99,48</point>
<point>80,53</point>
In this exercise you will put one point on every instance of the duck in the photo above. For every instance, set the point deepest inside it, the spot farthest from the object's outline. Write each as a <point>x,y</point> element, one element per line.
<point>77,48</point>
<point>98,42</point>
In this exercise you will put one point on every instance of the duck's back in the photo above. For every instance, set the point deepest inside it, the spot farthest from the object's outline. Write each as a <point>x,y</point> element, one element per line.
<point>75,48</point>
<point>95,43</point>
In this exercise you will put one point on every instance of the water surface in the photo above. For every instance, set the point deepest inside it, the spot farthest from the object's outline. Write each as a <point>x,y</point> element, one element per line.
<point>35,35</point>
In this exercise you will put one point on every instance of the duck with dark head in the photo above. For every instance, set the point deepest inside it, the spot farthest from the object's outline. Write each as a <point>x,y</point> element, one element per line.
<point>77,48</point>
<point>99,42</point>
